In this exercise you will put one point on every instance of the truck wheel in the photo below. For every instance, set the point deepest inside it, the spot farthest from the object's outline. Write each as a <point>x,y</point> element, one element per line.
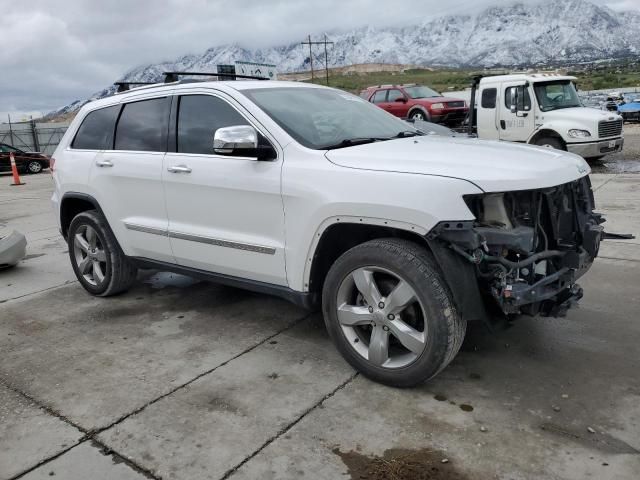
<point>390,313</point>
<point>97,260</point>
<point>550,142</point>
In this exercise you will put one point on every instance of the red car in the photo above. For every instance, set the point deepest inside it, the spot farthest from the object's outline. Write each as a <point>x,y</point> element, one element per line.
<point>417,102</point>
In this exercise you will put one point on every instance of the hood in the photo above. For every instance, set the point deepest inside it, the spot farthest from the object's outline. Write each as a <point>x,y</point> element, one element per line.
<point>579,115</point>
<point>491,166</point>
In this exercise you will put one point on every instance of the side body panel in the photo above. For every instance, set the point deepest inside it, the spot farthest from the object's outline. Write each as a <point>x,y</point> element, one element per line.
<point>318,193</point>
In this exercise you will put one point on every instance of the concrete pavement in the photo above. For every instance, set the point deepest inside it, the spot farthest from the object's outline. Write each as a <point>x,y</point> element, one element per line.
<point>185,379</point>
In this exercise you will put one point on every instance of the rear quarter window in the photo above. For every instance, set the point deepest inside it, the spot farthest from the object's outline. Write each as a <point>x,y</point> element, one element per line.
<point>489,98</point>
<point>96,130</point>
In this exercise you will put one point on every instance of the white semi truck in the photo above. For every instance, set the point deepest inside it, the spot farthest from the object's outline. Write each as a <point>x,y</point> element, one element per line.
<point>545,110</point>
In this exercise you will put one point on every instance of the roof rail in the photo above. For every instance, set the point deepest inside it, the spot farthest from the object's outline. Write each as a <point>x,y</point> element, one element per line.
<point>124,86</point>
<point>170,77</point>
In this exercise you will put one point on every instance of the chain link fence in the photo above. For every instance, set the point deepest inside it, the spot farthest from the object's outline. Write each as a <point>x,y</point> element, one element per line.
<point>33,136</point>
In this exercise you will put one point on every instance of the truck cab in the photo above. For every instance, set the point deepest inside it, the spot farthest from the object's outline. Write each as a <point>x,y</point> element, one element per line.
<point>544,110</point>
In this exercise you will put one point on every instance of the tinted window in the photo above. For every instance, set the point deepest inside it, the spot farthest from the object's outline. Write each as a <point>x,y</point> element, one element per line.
<point>380,96</point>
<point>394,95</point>
<point>143,126</point>
<point>199,116</point>
<point>489,97</point>
<point>96,130</point>
<point>527,98</point>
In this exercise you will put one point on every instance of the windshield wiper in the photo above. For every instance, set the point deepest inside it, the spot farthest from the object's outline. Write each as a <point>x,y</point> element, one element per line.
<point>352,142</point>
<point>408,133</point>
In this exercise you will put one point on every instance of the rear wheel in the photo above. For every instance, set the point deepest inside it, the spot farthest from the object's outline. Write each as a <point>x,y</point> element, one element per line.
<point>390,314</point>
<point>551,142</point>
<point>97,260</point>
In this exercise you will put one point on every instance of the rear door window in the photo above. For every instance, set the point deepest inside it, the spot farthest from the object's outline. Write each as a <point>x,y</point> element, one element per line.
<point>380,96</point>
<point>143,126</point>
<point>489,97</point>
<point>96,130</point>
<point>199,116</point>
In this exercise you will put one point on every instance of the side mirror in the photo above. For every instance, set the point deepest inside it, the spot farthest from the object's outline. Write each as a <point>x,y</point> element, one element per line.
<point>513,95</point>
<point>238,140</point>
<point>401,99</point>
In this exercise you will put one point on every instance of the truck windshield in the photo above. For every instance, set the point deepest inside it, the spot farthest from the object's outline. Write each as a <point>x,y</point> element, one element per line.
<point>556,95</point>
<point>421,92</point>
<point>322,118</point>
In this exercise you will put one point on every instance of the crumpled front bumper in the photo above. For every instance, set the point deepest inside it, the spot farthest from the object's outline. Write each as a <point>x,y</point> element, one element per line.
<point>13,248</point>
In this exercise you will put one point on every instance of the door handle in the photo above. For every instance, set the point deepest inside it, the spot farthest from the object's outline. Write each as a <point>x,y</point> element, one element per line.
<point>104,163</point>
<point>179,169</point>
<point>503,124</point>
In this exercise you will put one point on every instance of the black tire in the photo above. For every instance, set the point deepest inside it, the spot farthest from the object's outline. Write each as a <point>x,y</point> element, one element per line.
<point>416,266</point>
<point>34,166</point>
<point>551,142</point>
<point>119,273</point>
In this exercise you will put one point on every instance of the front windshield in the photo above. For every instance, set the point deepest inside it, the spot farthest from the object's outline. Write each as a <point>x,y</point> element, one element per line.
<point>421,92</point>
<point>321,118</point>
<point>556,95</point>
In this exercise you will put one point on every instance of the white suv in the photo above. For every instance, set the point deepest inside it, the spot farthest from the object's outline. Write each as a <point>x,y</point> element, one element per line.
<point>317,196</point>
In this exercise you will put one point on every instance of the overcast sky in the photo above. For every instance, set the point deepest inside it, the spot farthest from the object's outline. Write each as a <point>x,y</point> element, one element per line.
<point>57,51</point>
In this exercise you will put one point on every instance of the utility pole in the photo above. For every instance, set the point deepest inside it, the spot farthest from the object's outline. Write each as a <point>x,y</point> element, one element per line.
<point>326,61</point>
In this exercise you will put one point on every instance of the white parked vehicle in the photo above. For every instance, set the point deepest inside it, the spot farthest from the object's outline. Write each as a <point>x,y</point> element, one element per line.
<point>320,197</point>
<point>545,110</point>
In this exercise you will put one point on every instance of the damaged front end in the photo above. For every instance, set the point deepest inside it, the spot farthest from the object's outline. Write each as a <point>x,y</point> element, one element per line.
<point>527,248</point>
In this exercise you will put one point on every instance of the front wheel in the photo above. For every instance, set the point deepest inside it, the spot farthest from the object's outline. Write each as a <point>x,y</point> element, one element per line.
<point>97,260</point>
<point>390,313</point>
<point>418,115</point>
<point>550,142</point>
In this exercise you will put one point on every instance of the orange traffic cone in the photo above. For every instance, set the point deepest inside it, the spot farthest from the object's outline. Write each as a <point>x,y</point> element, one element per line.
<point>14,171</point>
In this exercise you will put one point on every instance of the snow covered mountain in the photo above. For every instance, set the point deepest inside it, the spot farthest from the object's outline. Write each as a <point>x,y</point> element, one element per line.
<point>554,31</point>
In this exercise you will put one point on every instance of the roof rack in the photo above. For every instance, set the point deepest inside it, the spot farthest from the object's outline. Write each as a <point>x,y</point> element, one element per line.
<point>124,86</point>
<point>170,77</point>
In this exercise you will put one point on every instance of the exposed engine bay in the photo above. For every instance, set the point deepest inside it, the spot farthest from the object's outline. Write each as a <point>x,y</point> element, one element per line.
<point>528,247</point>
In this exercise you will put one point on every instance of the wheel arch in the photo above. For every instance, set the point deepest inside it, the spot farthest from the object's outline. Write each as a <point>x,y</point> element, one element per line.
<point>546,132</point>
<point>422,109</point>
<point>339,234</point>
<point>72,204</point>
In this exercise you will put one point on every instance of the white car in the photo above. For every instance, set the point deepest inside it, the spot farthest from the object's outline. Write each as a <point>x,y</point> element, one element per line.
<point>317,196</point>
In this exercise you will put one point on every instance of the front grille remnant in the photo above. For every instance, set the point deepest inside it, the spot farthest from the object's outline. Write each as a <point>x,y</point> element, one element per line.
<point>610,128</point>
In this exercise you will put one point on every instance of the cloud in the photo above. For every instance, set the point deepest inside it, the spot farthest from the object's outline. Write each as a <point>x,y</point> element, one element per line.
<point>57,51</point>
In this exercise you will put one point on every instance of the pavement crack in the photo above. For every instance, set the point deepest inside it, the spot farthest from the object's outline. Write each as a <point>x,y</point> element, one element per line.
<point>68,282</point>
<point>47,460</point>
<point>51,411</point>
<point>289,426</point>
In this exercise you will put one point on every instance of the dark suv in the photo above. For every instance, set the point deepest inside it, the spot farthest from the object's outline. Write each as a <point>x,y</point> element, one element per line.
<point>27,162</point>
<point>417,102</point>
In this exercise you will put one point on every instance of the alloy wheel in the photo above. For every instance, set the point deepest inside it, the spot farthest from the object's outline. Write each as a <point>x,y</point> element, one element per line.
<point>35,167</point>
<point>381,317</point>
<point>90,255</point>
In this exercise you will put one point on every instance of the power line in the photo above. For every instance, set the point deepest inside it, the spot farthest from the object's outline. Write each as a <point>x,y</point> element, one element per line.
<point>326,62</point>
